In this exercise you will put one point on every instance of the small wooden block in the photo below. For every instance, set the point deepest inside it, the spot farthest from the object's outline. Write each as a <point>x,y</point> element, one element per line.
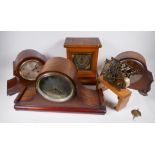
<point>123,94</point>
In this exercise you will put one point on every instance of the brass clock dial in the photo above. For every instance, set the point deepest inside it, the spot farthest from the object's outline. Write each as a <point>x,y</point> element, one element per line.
<point>30,69</point>
<point>82,61</point>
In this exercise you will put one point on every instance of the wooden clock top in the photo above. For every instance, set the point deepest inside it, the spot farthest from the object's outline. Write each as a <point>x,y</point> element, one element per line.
<point>82,42</point>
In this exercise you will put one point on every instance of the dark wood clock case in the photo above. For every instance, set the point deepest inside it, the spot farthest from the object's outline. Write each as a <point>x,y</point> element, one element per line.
<point>84,99</point>
<point>17,83</point>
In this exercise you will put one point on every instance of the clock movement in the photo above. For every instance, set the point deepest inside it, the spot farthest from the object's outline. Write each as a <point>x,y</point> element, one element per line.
<point>126,70</point>
<point>57,88</point>
<point>83,52</point>
<point>26,68</point>
<point>117,73</point>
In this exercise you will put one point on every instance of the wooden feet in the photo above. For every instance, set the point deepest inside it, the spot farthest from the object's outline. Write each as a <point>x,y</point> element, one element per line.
<point>123,94</point>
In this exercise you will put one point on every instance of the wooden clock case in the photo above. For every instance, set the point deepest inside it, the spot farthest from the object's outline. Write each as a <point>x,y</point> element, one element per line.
<point>88,47</point>
<point>141,80</point>
<point>137,61</point>
<point>84,100</point>
<point>17,84</point>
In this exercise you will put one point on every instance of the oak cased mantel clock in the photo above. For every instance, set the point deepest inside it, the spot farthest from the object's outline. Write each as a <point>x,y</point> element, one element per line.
<point>83,52</point>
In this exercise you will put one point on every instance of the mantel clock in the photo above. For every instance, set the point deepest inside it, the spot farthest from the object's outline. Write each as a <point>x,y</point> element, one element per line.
<point>26,68</point>
<point>51,85</point>
<point>83,52</point>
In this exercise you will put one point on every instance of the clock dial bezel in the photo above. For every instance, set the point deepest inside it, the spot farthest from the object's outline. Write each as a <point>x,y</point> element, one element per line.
<point>50,98</point>
<point>24,63</point>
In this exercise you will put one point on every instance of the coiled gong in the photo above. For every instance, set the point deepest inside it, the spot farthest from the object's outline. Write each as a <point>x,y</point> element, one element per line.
<point>56,80</point>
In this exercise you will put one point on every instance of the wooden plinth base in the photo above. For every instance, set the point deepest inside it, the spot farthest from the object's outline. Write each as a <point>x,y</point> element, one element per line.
<point>87,101</point>
<point>123,94</point>
<point>88,81</point>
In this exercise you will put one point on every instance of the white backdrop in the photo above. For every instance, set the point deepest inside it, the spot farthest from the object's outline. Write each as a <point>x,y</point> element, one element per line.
<point>51,44</point>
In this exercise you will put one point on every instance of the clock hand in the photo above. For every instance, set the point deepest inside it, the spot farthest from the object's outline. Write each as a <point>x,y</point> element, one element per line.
<point>35,68</point>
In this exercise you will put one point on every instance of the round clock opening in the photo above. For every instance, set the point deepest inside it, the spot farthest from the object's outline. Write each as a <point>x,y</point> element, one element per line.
<point>55,87</point>
<point>30,69</point>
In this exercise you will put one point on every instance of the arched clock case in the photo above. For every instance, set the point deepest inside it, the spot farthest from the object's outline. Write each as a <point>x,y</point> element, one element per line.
<point>57,88</point>
<point>143,78</point>
<point>26,67</point>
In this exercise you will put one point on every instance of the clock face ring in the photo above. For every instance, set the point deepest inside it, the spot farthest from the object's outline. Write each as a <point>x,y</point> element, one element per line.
<point>55,87</point>
<point>30,69</point>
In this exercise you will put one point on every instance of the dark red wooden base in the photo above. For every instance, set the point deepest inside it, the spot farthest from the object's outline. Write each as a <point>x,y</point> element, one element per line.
<point>99,110</point>
<point>90,102</point>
